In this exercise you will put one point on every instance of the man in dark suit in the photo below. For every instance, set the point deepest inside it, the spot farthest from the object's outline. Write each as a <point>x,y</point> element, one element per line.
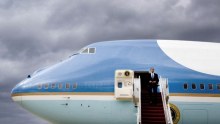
<point>152,85</point>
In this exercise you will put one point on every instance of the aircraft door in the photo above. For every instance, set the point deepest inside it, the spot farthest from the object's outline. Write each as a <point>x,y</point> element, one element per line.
<point>124,84</point>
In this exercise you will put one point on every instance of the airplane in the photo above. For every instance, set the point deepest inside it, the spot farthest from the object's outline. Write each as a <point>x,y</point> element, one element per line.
<point>90,86</point>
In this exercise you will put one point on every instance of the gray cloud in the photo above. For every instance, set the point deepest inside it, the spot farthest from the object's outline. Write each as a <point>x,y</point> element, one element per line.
<point>35,34</point>
<point>11,113</point>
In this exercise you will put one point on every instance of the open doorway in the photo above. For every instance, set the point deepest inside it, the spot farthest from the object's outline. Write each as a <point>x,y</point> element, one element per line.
<point>143,75</point>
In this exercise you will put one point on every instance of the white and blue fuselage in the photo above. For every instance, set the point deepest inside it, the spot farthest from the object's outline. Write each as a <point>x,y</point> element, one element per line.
<point>80,89</point>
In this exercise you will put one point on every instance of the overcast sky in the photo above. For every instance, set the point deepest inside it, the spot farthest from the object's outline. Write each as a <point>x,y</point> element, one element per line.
<point>38,33</point>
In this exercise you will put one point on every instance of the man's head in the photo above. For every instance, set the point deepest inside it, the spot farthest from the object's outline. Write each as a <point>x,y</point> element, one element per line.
<point>152,70</point>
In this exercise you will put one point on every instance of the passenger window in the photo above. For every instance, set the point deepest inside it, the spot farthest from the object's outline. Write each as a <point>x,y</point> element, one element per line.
<point>193,86</point>
<point>67,85</point>
<point>211,86</point>
<point>202,86</point>
<point>39,86</point>
<point>74,85</point>
<point>46,86</point>
<point>185,86</point>
<point>91,50</point>
<point>53,85</point>
<point>60,85</point>
<point>218,86</point>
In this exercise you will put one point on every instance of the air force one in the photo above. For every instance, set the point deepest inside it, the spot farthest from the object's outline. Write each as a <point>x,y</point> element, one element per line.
<point>103,83</point>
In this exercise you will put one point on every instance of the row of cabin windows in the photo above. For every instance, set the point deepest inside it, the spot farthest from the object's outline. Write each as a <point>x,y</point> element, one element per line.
<point>59,86</point>
<point>201,86</point>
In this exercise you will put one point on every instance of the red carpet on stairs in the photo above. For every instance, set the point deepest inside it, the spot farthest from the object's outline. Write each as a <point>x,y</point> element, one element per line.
<point>151,113</point>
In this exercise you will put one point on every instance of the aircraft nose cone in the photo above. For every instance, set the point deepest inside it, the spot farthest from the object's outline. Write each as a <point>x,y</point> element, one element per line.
<point>16,93</point>
<point>15,97</point>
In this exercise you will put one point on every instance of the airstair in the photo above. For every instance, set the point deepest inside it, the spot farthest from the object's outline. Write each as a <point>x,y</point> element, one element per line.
<point>132,86</point>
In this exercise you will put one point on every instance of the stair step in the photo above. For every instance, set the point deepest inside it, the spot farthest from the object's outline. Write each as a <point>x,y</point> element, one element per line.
<point>153,107</point>
<point>152,118</point>
<point>153,122</point>
<point>153,111</point>
<point>147,96</point>
<point>144,97</point>
<point>147,103</point>
<point>148,109</point>
<point>150,100</point>
<point>153,115</point>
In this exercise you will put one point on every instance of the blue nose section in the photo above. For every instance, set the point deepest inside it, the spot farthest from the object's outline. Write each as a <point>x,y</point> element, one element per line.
<point>15,95</point>
<point>16,92</point>
<point>18,88</point>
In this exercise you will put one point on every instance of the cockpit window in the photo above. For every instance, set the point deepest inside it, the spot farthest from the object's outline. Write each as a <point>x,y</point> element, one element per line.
<point>91,50</point>
<point>88,51</point>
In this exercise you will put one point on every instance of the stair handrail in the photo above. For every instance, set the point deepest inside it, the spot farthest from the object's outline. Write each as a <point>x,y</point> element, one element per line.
<point>167,101</point>
<point>164,94</point>
<point>137,103</point>
<point>139,107</point>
